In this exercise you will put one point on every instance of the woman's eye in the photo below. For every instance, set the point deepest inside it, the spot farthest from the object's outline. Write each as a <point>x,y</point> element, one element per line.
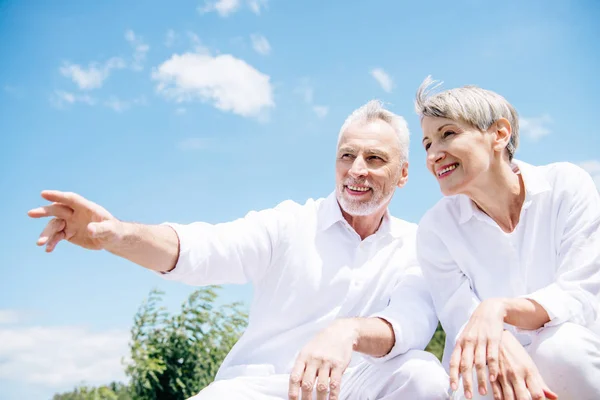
<point>427,146</point>
<point>448,133</point>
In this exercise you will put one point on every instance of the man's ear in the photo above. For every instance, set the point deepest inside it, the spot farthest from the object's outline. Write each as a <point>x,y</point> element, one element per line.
<point>403,175</point>
<point>502,131</point>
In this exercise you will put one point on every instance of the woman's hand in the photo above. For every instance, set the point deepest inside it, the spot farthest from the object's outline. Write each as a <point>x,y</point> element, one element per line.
<point>478,345</point>
<point>518,378</point>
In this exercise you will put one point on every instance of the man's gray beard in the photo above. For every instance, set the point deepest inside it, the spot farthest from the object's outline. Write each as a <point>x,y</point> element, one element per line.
<point>361,208</point>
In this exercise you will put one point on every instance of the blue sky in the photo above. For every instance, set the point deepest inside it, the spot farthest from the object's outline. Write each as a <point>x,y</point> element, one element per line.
<point>192,110</point>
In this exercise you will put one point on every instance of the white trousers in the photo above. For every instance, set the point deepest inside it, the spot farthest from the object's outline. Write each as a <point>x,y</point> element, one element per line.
<point>413,375</point>
<point>568,358</point>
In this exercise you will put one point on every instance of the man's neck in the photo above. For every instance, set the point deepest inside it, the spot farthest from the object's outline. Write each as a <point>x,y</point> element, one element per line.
<point>365,225</point>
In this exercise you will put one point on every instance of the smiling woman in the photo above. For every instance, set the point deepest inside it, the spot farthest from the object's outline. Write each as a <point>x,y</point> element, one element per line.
<point>512,254</point>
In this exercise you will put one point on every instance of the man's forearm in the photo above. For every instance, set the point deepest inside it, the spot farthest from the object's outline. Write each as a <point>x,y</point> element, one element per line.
<point>374,336</point>
<point>155,247</point>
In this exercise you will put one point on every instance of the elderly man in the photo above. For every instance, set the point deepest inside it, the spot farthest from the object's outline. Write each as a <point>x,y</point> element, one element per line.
<point>340,309</point>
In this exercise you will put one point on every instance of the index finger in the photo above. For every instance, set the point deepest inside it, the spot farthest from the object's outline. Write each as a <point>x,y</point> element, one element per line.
<point>69,198</point>
<point>295,380</point>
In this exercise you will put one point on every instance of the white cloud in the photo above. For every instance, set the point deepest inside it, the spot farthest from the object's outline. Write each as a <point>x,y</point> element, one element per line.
<point>306,91</point>
<point>229,83</point>
<point>383,79</point>
<point>197,45</point>
<point>535,128</point>
<point>593,168</point>
<point>121,105</point>
<point>10,317</point>
<point>257,5</point>
<point>222,7</point>
<point>227,7</point>
<point>260,44</point>
<point>94,75</point>
<point>60,99</point>
<point>62,357</point>
<point>170,38</point>
<point>140,49</point>
<point>321,111</point>
<point>193,144</point>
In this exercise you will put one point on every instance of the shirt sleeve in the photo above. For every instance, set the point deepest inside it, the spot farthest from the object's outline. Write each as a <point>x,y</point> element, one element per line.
<point>410,312</point>
<point>575,294</point>
<point>450,288</point>
<point>235,252</point>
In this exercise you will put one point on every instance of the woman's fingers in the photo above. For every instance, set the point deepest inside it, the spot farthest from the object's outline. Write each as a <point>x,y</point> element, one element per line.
<point>493,348</point>
<point>466,369</point>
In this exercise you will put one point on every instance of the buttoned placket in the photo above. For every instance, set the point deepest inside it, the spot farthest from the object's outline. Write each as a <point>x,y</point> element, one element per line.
<point>361,257</point>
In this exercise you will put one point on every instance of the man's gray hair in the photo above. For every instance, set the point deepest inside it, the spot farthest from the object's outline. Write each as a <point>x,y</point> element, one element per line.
<point>478,107</point>
<point>374,110</point>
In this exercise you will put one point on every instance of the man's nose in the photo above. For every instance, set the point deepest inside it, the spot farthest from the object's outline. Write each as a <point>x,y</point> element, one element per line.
<point>359,168</point>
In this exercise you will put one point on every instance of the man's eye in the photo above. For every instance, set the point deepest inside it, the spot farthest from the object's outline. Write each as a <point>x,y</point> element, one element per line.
<point>345,156</point>
<point>375,158</point>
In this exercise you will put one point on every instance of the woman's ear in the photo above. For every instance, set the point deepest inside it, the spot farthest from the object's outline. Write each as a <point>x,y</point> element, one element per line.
<point>502,131</point>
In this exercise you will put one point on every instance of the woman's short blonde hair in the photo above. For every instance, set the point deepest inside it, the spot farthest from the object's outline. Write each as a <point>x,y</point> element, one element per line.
<point>478,107</point>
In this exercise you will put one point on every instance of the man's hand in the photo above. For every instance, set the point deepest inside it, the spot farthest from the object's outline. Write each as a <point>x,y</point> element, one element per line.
<point>76,220</point>
<point>478,345</point>
<point>322,362</point>
<point>518,378</point>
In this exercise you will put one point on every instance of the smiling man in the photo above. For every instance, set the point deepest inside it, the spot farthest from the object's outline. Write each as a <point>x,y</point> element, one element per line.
<point>340,308</point>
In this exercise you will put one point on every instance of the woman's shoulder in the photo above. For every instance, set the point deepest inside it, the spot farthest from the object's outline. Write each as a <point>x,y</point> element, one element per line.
<point>562,176</point>
<point>446,211</point>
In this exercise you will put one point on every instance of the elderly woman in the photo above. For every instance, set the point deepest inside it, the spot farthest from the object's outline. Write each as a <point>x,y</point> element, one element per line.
<point>512,254</point>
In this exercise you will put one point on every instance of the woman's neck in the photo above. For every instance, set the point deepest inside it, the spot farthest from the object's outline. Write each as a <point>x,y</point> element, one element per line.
<point>500,194</point>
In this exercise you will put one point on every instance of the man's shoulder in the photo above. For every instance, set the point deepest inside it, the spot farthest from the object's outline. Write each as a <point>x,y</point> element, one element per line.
<point>294,207</point>
<point>403,227</point>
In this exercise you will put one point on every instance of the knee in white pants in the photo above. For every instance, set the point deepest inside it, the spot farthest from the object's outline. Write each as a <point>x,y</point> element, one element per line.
<point>422,371</point>
<point>217,390</point>
<point>568,358</point>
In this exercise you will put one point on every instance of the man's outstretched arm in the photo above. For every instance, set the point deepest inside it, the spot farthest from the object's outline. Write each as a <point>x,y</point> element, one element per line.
<point>87,224</point>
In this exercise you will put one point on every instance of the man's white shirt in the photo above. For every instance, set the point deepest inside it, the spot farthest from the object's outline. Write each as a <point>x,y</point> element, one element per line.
<point>552,257</point>
<point>308,267</point>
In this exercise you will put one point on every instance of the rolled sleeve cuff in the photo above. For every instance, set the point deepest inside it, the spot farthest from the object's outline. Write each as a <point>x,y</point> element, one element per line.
<point>555,301</point>
<point>397,348</point>
<point>182,268</point>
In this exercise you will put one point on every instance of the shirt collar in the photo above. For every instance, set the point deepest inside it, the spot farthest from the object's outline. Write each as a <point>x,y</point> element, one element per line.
<point>535,183</point>
<point>331,213</point>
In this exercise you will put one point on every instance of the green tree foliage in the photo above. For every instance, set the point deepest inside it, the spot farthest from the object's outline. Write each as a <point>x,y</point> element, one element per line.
<point>175,356</point>
<point>436,344</point>
<point>113,391</point>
